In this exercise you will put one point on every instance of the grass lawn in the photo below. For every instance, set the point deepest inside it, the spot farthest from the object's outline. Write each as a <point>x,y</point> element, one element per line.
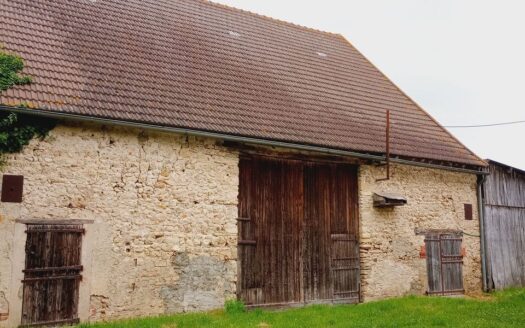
<point>503,309</point>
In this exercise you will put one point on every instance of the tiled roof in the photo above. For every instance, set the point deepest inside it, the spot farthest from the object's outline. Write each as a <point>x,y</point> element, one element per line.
<point>199,65</point>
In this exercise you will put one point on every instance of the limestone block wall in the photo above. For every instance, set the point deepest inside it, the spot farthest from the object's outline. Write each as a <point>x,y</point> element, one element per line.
<point>163,206</point>
<point>162,212</point>
<point>390,260</point>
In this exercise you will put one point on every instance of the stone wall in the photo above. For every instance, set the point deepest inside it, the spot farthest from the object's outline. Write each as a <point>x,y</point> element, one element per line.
<point>164,208</point>
<point>390,249</point>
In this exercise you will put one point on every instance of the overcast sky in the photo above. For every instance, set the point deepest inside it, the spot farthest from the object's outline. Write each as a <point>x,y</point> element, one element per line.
<point>462,60</point>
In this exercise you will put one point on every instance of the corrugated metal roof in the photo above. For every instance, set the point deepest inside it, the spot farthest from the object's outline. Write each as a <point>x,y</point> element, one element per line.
<point>204,66</point>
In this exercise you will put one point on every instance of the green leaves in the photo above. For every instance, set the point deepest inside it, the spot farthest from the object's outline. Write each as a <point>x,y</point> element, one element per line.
<point>16,130</point>
<point>10,67</point>
<point>234,307</point>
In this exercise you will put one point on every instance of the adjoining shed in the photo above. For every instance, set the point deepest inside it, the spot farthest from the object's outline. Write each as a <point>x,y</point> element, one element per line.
<point>504,207</point>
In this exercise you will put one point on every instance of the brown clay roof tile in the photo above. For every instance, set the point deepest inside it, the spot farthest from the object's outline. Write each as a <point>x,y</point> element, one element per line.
<point>204,66</point>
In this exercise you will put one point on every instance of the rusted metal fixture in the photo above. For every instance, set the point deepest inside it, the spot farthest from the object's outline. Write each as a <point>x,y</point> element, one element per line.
<point>388,200</point>
<point>387,156</point>
<point>12,188</point>
<point>468,212</point>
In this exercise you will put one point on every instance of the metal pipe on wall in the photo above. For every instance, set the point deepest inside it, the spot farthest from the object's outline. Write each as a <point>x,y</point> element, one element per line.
<point>481,213</point>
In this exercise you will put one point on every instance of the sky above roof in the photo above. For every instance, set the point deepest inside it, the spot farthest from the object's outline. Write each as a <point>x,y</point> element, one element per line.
<point>462,61</point>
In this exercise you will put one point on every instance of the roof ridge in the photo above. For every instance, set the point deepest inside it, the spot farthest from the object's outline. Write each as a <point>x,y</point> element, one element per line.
<point>269,18</point>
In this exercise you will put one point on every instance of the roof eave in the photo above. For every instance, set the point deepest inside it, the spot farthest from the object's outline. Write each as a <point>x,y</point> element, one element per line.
<point>457,167</point>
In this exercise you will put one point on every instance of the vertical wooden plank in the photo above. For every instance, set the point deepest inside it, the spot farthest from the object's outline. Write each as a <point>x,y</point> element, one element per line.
<point>318,208</point>
<point>344,234</point>
<point>433,252</point>
<point>294,206</point>
<point>51,251</point>
<point>332,251</point>
<point>504,205</point>
<point>452,263</point>
<point>274,202</point>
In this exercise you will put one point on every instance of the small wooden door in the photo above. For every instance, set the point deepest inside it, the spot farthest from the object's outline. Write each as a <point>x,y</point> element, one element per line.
<point>444,263</point>
<point>52,275</point>
<point>297,232</point>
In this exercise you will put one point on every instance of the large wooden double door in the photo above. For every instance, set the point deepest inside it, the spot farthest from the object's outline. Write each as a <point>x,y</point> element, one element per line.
<point>298,232</point>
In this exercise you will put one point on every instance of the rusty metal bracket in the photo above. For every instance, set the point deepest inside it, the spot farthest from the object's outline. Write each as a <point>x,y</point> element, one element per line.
<point>387,147</point>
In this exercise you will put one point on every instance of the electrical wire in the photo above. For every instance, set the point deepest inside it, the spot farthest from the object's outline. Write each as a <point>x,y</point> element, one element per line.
<point>397,122</point>
<point>483,125</point>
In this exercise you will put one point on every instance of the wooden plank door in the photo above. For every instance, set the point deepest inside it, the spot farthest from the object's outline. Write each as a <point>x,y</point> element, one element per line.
<point>298,228</point>
<point>444,264</point>
<point>52,275</point>
<point>270,231</point>
<point>331,246</point>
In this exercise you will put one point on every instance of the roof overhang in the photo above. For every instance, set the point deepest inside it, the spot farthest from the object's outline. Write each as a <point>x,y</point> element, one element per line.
<point>379,158</point>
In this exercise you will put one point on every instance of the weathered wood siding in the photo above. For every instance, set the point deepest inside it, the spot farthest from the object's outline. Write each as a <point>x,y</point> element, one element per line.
<point>52,274</point>
<point>298,232</point>
<point>444,263</point>
<point>504,205</point>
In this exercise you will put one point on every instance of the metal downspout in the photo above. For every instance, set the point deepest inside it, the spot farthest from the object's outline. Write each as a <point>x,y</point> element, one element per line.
<point>481,211</point>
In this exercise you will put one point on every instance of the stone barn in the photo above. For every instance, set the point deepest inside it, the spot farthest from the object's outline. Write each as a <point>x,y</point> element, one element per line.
<point>203,153</point>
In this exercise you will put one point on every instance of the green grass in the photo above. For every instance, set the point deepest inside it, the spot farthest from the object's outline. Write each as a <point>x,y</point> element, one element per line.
<point>503,309</point>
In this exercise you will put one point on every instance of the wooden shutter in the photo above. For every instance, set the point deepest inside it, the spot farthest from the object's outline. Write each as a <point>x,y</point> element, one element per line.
<point>52,274</point>
<point>345,268</point>
<point>444,263</point>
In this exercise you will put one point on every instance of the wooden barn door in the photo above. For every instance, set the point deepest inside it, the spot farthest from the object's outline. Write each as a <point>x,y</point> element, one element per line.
<point>270,231</point>
<point>52,274</point>
<point>444,264</point>
<point>331,246</point>
<point>297,232</point>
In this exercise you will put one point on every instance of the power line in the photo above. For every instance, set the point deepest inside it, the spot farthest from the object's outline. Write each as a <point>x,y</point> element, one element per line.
<point>411,124</point>
<point>483,125</point>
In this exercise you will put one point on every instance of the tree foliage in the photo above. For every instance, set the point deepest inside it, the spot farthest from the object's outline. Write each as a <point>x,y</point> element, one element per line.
<point>10,68</point>
<point>17,130</point>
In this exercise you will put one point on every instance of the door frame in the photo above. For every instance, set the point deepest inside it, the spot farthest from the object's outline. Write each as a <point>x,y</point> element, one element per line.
<point>18,264</point>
